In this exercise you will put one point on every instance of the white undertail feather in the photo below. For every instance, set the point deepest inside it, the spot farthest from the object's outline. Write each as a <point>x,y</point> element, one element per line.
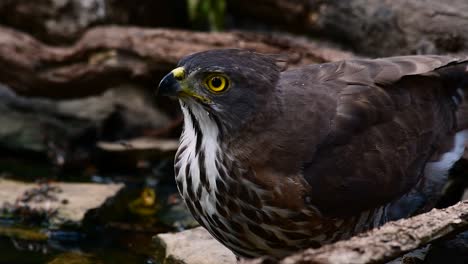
<point>438,171</point>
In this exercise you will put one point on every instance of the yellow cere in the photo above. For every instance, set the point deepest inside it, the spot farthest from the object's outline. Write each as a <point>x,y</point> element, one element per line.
<point>179,73</point>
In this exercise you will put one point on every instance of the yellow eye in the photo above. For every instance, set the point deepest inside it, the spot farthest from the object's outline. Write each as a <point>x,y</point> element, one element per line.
<point>217,83</point>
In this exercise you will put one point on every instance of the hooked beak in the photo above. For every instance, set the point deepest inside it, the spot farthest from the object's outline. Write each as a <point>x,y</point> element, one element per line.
<point>169,86</point>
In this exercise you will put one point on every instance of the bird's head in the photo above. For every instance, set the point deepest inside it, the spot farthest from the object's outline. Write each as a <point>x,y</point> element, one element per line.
<point>230,84</point>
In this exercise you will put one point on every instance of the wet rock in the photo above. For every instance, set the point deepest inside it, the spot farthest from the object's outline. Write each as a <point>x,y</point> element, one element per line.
<point>141,144</point>
<point>57,203</point>
<point>178,217</point>
<point>133,104</point>
<point>138,150</point>
<point>66,132</point>
<point>194,246</point>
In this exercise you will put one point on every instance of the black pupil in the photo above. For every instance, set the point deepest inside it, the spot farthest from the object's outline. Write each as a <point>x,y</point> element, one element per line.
<point>216,82</point>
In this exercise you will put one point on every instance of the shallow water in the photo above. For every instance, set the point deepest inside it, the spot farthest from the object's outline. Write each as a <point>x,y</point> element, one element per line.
<point>119,232</point>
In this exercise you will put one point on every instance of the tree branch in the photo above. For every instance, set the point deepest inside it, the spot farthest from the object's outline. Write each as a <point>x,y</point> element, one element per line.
<point>387,242</point>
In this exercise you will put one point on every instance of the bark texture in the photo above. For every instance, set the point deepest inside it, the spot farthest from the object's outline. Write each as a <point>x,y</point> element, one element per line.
<point>373,28</point>
<point>387,242</point>
<point>109,55</point>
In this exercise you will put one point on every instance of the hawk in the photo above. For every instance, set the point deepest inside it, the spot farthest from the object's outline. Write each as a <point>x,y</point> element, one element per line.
<point>272,161</point>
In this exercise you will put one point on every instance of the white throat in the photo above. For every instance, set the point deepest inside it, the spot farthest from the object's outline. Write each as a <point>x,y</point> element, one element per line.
<point>199,149</point>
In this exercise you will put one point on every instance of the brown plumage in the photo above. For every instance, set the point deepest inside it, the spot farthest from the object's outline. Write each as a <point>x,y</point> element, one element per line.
<point>278,161</point>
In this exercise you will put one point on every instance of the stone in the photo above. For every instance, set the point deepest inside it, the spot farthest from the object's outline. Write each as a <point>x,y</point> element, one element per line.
<point>193,246</point>
<point>67,131</point>
<point>63,203</point>
<point>142,147</point>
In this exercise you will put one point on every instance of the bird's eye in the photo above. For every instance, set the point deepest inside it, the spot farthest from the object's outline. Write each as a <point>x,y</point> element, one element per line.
<point>217,83</point>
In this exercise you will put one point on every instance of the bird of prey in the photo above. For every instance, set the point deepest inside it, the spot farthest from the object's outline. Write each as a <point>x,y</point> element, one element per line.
<point>272,161</point>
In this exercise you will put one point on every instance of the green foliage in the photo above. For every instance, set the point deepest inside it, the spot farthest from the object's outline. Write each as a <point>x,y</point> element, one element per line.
<point>208,13</point>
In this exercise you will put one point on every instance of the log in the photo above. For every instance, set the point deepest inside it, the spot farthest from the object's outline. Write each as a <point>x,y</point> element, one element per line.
<point>371,28</point>
<point>387,242</point>
<point>109,55</point>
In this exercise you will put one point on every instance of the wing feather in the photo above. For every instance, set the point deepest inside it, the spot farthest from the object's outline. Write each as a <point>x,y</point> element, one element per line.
<point>389,119</point>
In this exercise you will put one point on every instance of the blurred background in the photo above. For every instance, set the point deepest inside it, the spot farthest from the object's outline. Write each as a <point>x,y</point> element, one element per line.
<point>86,147</point>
